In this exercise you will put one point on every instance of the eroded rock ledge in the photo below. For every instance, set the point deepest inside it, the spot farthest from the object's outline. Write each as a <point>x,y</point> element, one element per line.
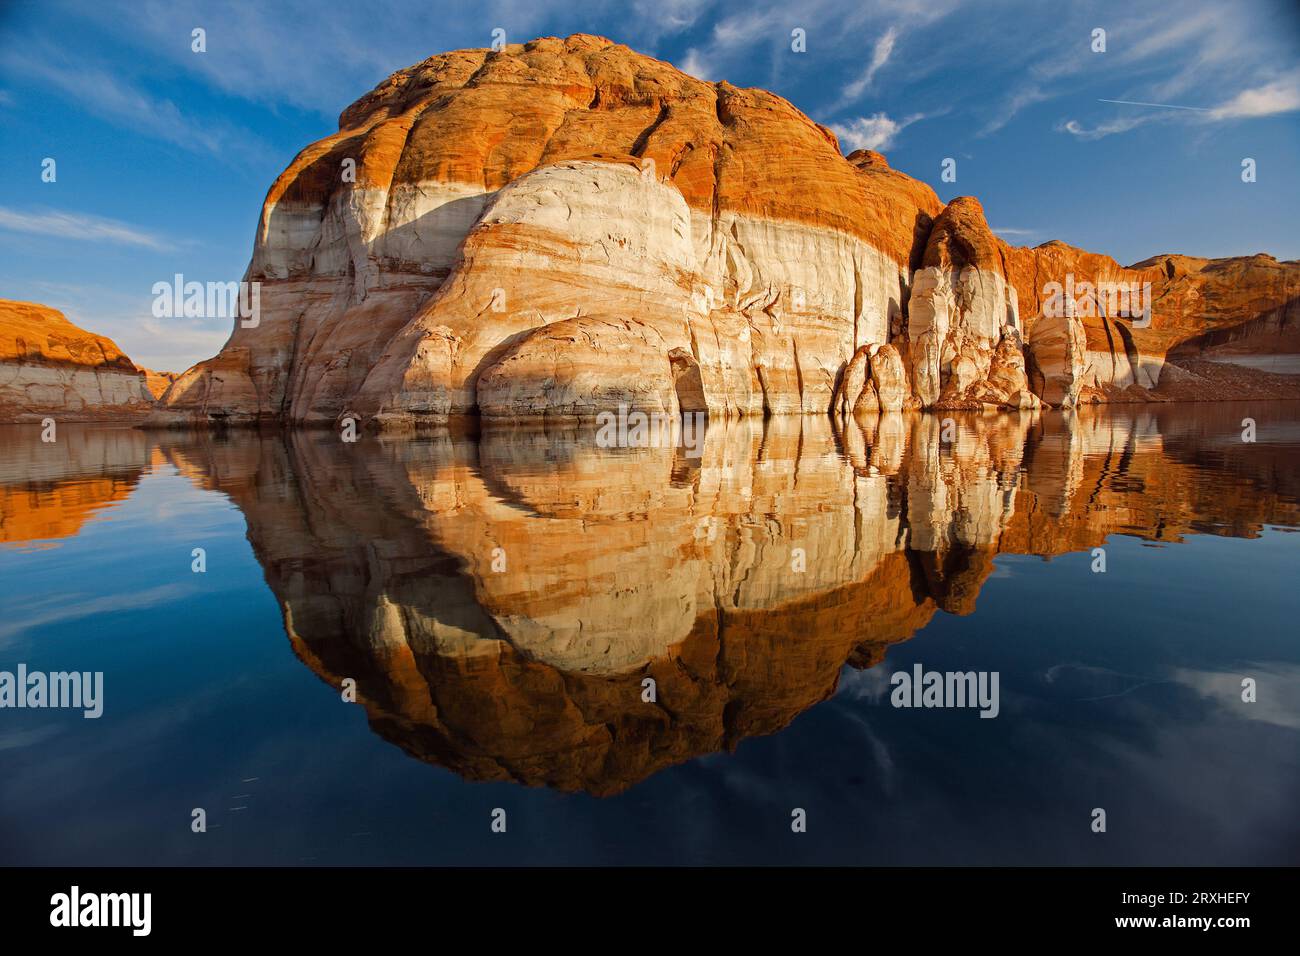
<point>567,225</point>
<point>50,367</point>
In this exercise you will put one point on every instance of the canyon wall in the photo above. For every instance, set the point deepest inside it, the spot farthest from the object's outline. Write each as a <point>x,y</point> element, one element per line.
<point>50,367</point>
<point>565,226</point>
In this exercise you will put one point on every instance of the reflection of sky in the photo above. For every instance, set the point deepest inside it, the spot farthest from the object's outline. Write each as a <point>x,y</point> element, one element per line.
<point>1119,690</point>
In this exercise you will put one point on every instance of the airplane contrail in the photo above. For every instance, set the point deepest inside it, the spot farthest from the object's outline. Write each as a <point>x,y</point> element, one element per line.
<point>1163,106</point>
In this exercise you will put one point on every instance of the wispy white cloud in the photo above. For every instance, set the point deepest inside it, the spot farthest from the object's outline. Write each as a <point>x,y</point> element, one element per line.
<point>1280,96</point>
<point>1109,128</point>
<point>1207,49</point>
<point>117,100</point>
<point>1015,232</point>
<point>743,29</point>
<point>877,131</point>
<point>275,53</point>
<point>271,53</point>
<point>83,227</point>
<point>1020,99</point>
<point>835,31</point>
<point>1270,99</point>
<point>880,54</point>
<point>1149,37</point>
<point>185,344</point>
<point>730,37</point>
<point>698,66</point>
<point>668,17</point>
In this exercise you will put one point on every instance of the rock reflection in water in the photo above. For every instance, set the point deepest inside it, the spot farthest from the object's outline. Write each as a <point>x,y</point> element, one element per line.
<point>49,490</point>
<point>501,598</point>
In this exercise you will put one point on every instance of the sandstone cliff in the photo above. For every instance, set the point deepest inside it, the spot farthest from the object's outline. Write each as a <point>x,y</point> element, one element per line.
<point>50,367</point>
<point>567,225</point>
<point>158,382</point>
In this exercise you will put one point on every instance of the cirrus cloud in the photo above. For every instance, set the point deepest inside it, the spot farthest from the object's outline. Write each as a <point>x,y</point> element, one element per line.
<point>72,226</point>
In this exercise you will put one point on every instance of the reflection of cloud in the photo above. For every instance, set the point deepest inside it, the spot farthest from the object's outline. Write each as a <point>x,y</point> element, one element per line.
<point>66,608</point>
<point>1088,684</point>
<point>18,739</point>
<point>1277,692</point>
<point>871,684</point>
<point>879,750</point>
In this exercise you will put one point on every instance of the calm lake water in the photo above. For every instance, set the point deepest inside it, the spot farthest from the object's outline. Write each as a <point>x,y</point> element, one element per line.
<point>501,599</point>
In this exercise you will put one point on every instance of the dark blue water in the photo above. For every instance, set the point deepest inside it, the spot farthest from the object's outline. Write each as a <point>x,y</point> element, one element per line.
<point>520,688</point>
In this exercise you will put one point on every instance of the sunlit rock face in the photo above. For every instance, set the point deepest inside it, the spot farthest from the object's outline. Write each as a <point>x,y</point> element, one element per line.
<point>961,303</point>
<point>502,600</point>
<point>784,256</point>
<point>1085,328</point>
<point>504,335</point>
<point>1059,357</point>
<point>51,368</point>
<point>158,382</point>
<point>474,198</point>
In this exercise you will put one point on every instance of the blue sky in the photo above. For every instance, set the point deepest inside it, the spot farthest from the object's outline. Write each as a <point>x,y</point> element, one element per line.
<point>164,155</point>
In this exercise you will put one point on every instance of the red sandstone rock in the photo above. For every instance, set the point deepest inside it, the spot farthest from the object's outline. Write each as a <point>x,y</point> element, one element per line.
<point>499,193</point>
<point>158,382</point>
<point>50,367</point>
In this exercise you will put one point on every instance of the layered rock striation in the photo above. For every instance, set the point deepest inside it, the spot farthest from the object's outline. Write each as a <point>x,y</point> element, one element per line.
<point>566,226</point>
<point>50,367</point>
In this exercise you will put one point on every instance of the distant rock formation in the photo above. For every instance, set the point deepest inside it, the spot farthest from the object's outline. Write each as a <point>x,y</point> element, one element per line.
<point>158,382</point>
<point>50,367</point>
<point>567,225</point>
